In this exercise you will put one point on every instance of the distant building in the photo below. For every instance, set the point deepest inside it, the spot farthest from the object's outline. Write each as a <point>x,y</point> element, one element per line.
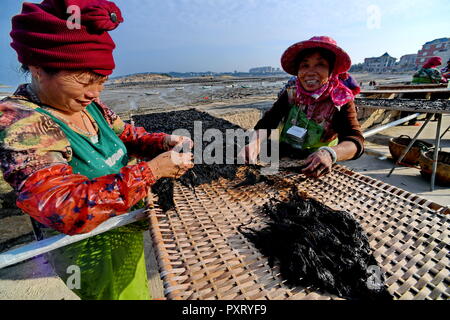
<point>406,63</point>
<point>408,60</point>
<point>439,47</point>
<point>263,70</point>
<point>379,64</point>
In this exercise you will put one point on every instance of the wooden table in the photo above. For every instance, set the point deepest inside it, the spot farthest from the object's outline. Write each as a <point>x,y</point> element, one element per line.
<point>411,86</point>
<point>417,100</point>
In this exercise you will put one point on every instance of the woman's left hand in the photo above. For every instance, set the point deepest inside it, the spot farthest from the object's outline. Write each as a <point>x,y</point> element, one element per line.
<point>318,163</point>
<point>172,141</point>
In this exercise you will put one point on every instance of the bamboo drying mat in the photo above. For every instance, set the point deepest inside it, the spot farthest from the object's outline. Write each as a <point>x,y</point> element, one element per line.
<point>202,255</point>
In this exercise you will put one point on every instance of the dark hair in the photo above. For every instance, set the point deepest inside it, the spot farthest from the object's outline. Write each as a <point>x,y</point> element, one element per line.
<point>324,53</point>
<point>50,71</point>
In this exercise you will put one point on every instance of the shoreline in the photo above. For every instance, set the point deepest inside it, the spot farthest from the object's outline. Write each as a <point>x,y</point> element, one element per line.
<point>178,94</point>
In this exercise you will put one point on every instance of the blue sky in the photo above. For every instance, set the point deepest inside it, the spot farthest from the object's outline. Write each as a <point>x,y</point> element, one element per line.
<point>228,35</point>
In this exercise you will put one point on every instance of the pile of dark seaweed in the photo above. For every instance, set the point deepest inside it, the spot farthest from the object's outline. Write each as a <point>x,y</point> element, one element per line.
<point>168,122</point>
<point>318,248</point>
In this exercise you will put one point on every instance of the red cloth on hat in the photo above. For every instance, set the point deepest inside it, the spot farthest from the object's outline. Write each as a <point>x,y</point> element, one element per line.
<point>432,62</point>
<point>42,38</point>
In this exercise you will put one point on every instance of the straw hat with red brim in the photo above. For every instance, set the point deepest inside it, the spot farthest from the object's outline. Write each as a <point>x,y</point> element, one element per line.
<point>289,58</point>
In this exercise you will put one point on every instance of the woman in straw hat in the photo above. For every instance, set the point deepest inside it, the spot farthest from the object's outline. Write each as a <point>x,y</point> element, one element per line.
<point>315,114</point>
<point>67,154</point>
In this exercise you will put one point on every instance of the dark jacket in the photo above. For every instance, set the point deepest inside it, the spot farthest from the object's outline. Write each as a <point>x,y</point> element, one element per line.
<point>345,121</point>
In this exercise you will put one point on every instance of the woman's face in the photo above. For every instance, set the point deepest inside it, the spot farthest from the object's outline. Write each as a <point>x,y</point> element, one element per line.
<point>68,91</point>
<point>313,72</point>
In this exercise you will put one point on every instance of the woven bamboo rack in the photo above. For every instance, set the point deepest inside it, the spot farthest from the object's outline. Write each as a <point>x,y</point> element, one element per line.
<point>202,255</point>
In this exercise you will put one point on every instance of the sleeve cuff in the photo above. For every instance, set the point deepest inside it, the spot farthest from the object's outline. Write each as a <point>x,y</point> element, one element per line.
<point>147,173</point>
<point>359,146</point>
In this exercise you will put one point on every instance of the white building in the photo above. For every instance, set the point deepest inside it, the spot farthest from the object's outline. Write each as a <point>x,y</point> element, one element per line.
<point>263,70</point>
<point>379,64</point>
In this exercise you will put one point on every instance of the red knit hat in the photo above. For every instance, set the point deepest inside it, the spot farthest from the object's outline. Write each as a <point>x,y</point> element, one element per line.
<point>433,62</point>
<point>289,58</point>
<point>41,35</point>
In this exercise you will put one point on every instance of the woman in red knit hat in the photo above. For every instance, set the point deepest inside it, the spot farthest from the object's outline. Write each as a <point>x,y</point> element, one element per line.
<point>67,154</point>
<point>429,73</point>
<point>315,113</point>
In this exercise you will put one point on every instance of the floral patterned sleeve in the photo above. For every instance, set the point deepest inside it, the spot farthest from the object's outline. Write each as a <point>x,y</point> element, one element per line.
<point>73,204</point>
<point>35,156</point>
<point>139,143</point>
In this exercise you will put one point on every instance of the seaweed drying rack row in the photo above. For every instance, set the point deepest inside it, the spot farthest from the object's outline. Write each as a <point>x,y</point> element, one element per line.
<point>202,255</point>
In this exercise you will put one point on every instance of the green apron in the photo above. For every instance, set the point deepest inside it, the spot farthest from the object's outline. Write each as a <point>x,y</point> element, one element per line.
<point>312,140</point>
<point>112,264</point>
<point>426,76</point>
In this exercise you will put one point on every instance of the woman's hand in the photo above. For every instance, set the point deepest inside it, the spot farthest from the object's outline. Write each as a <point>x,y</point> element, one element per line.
<point>172,141</point>
<point>171,164</point>
<point>250,152</point>
<point>318,164</point>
